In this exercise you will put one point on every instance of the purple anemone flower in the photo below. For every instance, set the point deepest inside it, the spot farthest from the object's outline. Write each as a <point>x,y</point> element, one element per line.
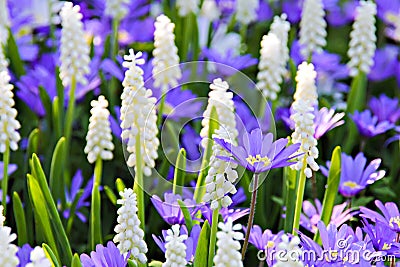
<point>259,153</point>
<point>355,174</point>
<point>170,210</point>
<point>234,214</point>
<point>24,255</point>
<point>391,215</point>
<point>109,256</point>
<point>368,125</point>
<point>190,242</point>
<point>312,215</point>
<point>385,108</point>
<point>382,238</point>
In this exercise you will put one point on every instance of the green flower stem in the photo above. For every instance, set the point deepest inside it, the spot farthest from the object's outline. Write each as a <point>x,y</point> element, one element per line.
<point>95,214</point>
<point>161,108</point>
<point>113,52</point>
<point>251,215</point>
<point>138,183</point>
<point>213,236</point>
<point>300,195</point>
<point>199,190</point>
<point>69,117</point>
<point>4,186</point>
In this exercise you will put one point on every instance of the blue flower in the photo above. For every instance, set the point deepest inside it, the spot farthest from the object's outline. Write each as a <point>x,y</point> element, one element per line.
<point>391,215</point>
<point>368,125</point>
<point>109,256</point>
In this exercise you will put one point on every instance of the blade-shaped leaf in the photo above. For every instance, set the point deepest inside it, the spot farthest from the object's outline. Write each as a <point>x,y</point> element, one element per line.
<point>201,257</point>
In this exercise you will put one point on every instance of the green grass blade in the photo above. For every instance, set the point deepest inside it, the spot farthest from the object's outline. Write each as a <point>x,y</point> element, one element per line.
<point>291,188</point>
<point>20,220</point>
<point>179,174</point>
<point>201,256</point>
<point>95,219</point>
<point>76,262</point>
<point>56,172</point>
<point>186,215</point>
<point>50,255</point>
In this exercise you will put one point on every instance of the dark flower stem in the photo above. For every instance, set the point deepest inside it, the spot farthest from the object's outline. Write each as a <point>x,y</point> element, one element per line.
<point>251,216</point>
<point>261,264</point>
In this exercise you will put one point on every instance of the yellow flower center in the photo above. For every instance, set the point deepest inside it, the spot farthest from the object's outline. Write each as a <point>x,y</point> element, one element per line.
<point>394,220</point>
<point>386,246</point>
<point>352,185</point>
<point>270,244</point>
<point>252,160</point>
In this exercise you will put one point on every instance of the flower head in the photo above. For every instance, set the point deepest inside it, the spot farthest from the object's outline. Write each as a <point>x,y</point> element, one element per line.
<point>185,7</point>
<point>355,174</point>
<point>175,253</point>
<point>325,120</point>
<point>74,49</point>
<point>362,39</point>
<point>117,9</point>
<point>3,62</point>
<point>385,108</point>
<point>246,11</point>
<point>109,256</point>
<point>99,138</point>
<point>228,245</point>
<point>281,27</point>
<point>138,114</point>
<point>4,22</point>
<point>391,215</point>
<point>260,153</point>
<point>166,71</point>
<point>368,124</point>
<point>129,235</point>
<point>8,122</point>
<point>8,251</point>
<point>2,218</point>
<point>382,238</point>
<point>305,99</point>
<point>38,258</point>
<point>312,27</point>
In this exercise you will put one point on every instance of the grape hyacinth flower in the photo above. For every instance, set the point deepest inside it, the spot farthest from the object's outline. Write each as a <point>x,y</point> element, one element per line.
<point>74,54</point>
<point>385,108</point>
<point>391,215</point>
<point>138,115</point>
<point>228,245</point>
<point>271,66</point>
<point>129,235</point>
<point>281,27</point>
<point>166,71</point>
<point>291,246</point>
<point>3,62</point>
<point>38,258</point>
<point>362,44</point>
<point>117,9</point>
<point>99,139</point>
<point>8,251</point>
<point>312,215</point>
<point>186,7</point>
<point>109,256</point>
<point>210,10</point>
<point>4,22</point>
<point>246,11</point>
<point>305,99</point>
<point>368,124</point>
<point>355,174</point>
<point>175,253</point>
<point>312,28</point>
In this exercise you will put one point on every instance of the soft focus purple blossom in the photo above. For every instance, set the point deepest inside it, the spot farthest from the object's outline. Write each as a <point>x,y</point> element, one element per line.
<point>312,215</point>
<point>382,238</point>
<point>109,256</point>
<point>259,153</point>
<point>385,63</point>
<point>368,124</point>
<point>355,174</point>
<point>385,108</point>
<point>24,255</point>
<point>390,211</point>
<point>190,242</point>
<point>340,13</point>
<point>170,210</point>
<point>190,140</point>
<point>229,212</point>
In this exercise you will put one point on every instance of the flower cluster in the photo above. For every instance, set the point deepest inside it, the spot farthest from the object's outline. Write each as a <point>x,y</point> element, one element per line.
<point>8,251</point>
<point>116,9</point>
<point>186,7</point>
<point>228,245</point>
<point>175,248</point>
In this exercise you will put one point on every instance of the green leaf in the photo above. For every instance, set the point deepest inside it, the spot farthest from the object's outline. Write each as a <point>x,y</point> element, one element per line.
<point>120,185</point>
<point>180,171</point>
<point>200,259</point>
<point>33,141</point>
<point>132,263</point>
<point>76,262</point>
<point>95,218</point>
<point>16,63</point>
<point>41,213</point>
<point>186,215</point>
<point>20,220</point>
<point>63,242</point>
<point>357,96</point>
<point>331,189</point>
<point>50,255</point>
<point>155,264</point>
<point>56,117</point>
<point>290,177</point>
<point>56,172</point>
<point>110,194</point>
<point>44,97</point>
<point>59,117</point>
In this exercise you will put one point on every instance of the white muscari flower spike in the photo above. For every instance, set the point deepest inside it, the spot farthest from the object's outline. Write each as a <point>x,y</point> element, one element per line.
<point>117,9</point>
<point>3,62</point>
<point>228,245</point>
<point>272,66</point>
<point>129,234</point>
<point>185,7</point>
<point>362,39</point>
<point>74,54</point>
<point>292,250</point>
<point>175,253</point>
<point>221,99</point>
<point>305,99</point>
<point>210,10</point>
<point>38,258</point>
<point>138,114</point>
<point>166,71</point>
<point>99,139</point>
<point>4,22</point>
<point>2,218</point>
<point>312,28</point>
<point>246,11</point>
<point>281,27</point>
<point>8,122</point>
<point>221,175</point>
<point>8,251</point>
